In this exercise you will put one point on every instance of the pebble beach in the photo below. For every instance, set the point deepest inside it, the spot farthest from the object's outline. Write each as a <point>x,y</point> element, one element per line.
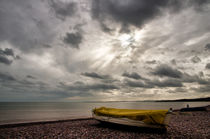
<point>195,125</point>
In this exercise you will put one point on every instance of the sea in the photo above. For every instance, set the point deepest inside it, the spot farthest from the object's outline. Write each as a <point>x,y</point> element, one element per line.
<point>22,112</point>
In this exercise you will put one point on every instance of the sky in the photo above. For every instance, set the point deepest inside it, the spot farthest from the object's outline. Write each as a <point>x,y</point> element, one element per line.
<point>104,50</point>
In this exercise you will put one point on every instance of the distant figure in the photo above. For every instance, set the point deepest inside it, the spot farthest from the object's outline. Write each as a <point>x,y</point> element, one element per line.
<point>170,110</point>
<point>188,105</point>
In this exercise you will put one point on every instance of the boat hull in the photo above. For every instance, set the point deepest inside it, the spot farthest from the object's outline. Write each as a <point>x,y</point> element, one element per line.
<point>129,122</point>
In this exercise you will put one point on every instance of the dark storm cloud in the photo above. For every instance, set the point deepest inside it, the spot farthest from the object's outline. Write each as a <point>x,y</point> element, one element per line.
<point>207,47</point>
<point>165,70</point>
<point>195,59</point>
<point>95,75</point>
<point>63,9</point>
<point>176,77</point>
<point>5,54</point>
<point>5,60</point>
<point>6,51</point>
<point>127,12</point>
<point>132,75</point>
<point>73,39</point>
<point>6,77</point>
<point>136,12</point>
<point>80,86</point>
<point>208,66</point>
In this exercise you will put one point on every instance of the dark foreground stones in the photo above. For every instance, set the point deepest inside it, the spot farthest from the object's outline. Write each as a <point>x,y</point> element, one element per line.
<point>184,125</point>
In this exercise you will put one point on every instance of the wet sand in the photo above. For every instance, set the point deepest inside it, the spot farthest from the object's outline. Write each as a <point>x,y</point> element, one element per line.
<point>194,125</point>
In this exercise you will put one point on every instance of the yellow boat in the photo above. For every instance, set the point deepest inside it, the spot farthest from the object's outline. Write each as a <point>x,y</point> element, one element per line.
<point>133,117</point>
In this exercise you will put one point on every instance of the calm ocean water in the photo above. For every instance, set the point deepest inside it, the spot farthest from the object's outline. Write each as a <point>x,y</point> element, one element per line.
<point>15,112</point>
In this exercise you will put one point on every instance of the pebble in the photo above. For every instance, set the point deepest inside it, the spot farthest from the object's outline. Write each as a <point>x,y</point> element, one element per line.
<point>195,125</point>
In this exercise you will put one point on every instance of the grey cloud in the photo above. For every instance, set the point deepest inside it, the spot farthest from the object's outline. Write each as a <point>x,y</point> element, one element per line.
<point>73,39</point>
<point>25,90</point>
<point>63,9</point>
<point>27,84</point>
<point>21,85</point>
<point>165,70</point>
<point>132,75</point>
<point>207,47</point>
<point>5,60</point>
<point>138,84</point>
<point>49,95</point>
<point>190,79</point>
<point>173,61</point>
<point>6,77</point>
<point>25,24</point>
<point>186,78</point>
<point>17,57</point>
<point>47,46</point>
<point>168,83</point>
<point>30,77</point>
<point>7,51</point>
<point>105,28</point>
<point>177,77</point>
<point>201,74</point>
<point>179,89</point>
<point>151,62</point>
<point>136,12</point>
<point>155,83</point>
<point>125,28</point>
<point>7,56</point>
<point>202,89</point>
<point>80,86</point>
<point>208,66</point>
<point>8,80</point>
<point>95,75</point>
<point>203,81</point>
<point>195,59</point>
<point>127,12</point>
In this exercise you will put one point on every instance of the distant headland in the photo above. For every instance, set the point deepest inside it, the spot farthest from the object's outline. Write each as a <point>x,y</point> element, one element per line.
<point>186,100</point>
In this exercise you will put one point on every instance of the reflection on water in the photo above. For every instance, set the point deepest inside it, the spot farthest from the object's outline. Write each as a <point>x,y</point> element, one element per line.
<point>41,111</point>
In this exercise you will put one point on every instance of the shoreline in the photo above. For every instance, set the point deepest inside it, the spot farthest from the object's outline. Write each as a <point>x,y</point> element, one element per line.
<point>28,123</point>
<point>193,125</point>
<point>17,124</point>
